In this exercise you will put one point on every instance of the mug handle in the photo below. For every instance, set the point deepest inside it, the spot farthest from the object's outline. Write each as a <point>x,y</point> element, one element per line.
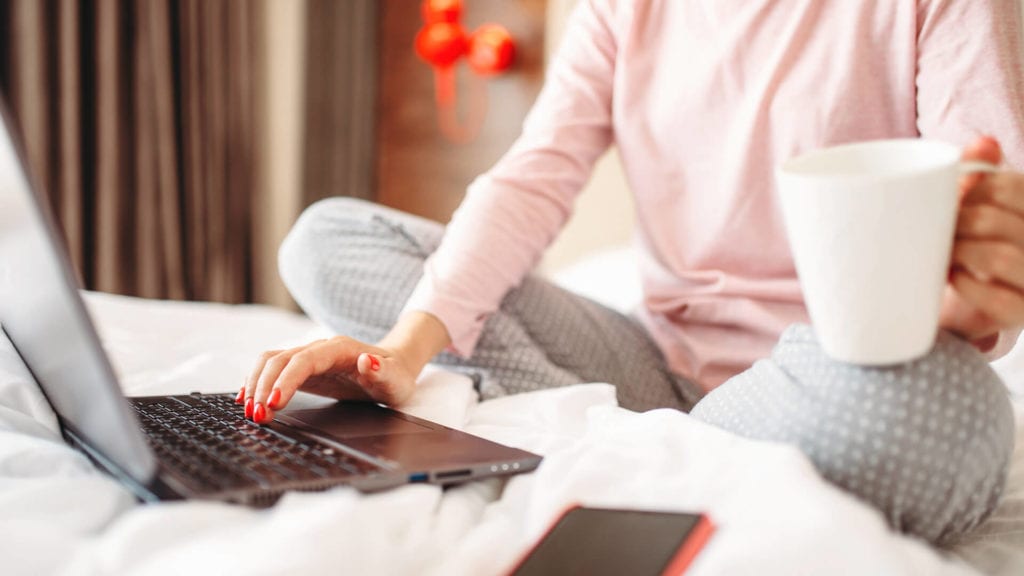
<point>975,167</point>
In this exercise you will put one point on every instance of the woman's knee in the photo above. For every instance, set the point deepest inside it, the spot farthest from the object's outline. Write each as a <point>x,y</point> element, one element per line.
<point>313,238</point>
<point>348,238</point>
<point>927,442</point>
<point>352,264</point>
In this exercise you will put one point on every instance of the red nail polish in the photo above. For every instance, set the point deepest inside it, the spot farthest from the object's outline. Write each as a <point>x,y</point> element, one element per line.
<point>241,396</point>
<point>260,414</point>
<point>275,397</point>
<point>374,363</point>
<point>248,407</point>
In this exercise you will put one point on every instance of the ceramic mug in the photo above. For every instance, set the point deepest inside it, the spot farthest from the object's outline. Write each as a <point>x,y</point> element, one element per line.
<point>871,228</point>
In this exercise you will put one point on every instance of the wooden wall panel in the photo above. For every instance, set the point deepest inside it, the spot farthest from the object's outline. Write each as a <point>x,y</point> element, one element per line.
<point>417,169</point>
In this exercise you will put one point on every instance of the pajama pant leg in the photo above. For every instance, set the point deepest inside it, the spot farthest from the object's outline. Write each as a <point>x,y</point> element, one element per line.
<point>351,265</point>
<point>927,442</point>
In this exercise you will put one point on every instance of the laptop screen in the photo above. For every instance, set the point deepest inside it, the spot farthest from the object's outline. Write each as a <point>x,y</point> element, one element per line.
<point>44,316</point>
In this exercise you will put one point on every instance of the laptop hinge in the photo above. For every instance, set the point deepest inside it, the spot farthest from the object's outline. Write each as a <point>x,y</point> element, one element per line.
<point>154,491</point>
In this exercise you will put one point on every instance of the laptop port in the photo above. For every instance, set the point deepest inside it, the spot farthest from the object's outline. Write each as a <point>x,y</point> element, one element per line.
<point>418,477</point>
<point>449,474</point>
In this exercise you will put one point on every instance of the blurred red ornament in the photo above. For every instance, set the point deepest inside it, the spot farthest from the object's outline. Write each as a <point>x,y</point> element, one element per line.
<point>441,44</point>
<point>491,50</point>
<point>441,11</point>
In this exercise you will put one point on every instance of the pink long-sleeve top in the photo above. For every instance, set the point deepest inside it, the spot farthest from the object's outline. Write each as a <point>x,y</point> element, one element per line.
<point>703,98</point>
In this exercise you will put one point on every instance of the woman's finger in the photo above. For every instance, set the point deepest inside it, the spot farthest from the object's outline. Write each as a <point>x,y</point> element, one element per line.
<point>991,260</point>
<point>271,371</point>
<point>1002,304</point>
<point>1003,189</point>
<point>334,385</point>
<point>249,390</point>
<point>329,356</point>
<point>330,371</point>
<point>989,222</point>
<point>384,378</point>
<point>328,368</point>
<point>983,149</point>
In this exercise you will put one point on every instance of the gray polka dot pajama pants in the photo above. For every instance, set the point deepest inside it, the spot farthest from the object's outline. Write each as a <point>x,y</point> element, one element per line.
<point>927,442</point>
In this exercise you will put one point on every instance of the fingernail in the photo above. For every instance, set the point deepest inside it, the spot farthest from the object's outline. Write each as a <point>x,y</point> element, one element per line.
<point>260,414</point>
<point>275,397</point>
<point>248,407</point>
<point>241,396</point>
<point>374,363</point>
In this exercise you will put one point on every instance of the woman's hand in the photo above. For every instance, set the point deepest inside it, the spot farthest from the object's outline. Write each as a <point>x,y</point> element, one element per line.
<point>338,367</point>
<point>345,368</point>
<point>986,287</point>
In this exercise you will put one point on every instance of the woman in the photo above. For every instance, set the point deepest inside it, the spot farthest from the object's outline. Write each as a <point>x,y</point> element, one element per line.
<point>703,98</point>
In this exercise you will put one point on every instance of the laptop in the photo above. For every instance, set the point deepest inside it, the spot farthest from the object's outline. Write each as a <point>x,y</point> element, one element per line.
<point>199,446</point>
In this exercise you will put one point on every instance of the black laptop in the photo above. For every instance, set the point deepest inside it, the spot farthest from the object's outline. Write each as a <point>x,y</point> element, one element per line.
<point>198,445</point>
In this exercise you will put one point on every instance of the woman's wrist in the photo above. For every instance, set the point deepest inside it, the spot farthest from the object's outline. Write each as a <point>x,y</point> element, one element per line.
<point>416,338</point>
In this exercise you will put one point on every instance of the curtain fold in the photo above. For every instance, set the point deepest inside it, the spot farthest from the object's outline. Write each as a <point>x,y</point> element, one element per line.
<point>141,121</point>
<point>340,124</point>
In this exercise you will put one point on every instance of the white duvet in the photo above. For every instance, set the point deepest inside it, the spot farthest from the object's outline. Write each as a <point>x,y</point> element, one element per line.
<point>775,516</point>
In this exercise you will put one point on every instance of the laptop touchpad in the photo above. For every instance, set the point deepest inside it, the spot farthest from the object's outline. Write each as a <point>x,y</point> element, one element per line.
<point>352,420</point>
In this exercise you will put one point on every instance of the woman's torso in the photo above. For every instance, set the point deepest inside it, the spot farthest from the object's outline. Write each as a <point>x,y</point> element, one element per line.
<point>709,96</point>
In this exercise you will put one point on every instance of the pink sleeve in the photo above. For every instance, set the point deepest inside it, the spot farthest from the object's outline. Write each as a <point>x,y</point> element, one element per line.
<point>970,82</point>
<point>969,75</point>
<point>514,211</point>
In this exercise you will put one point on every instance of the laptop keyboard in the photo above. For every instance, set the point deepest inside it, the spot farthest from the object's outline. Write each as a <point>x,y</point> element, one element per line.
<point>207,438</point>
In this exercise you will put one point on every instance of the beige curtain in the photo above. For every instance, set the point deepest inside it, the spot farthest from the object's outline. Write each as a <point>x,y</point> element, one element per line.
<point>142,119</point>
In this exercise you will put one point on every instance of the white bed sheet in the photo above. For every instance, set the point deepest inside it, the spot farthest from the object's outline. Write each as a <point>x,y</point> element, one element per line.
<point>59,515</point>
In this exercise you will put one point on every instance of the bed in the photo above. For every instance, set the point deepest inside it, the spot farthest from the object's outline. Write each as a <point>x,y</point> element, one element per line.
<point>775,516</point>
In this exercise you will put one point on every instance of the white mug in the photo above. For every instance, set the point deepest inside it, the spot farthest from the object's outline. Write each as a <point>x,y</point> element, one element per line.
<point>871,228</point>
